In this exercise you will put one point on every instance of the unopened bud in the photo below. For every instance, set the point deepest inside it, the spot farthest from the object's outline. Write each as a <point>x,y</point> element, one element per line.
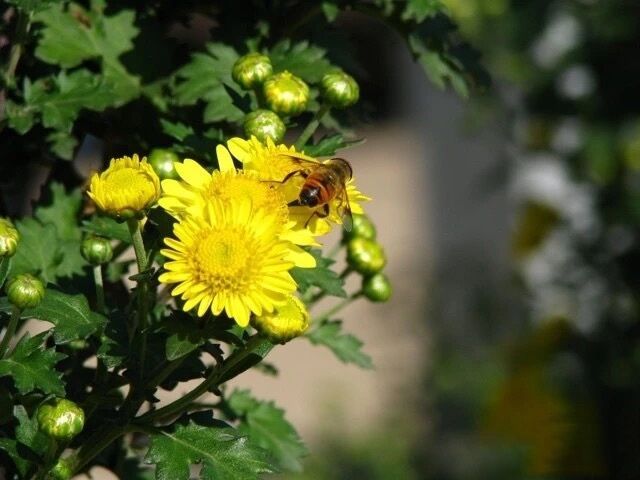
<point>361,227</point>
<point>286,94</point>
<point>61,419</point>
<point>96,250</point>
<point>251,70</point>
<point>377,288</point>
<point>365,256</point>
<point>9,238</point>
<point>24,291</point>
<point>162,161</point>
<point>339,89</point>
<point>264,124</point>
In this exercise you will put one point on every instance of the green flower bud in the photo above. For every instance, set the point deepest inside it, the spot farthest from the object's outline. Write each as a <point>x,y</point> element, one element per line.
<point>365,256</point>
<point>60,419</point>
<point>264,124</point>
<point>62,470</point>
<point>161,161</point>
<point>251,70</point>
<point>377,288</point>
<point>339,89</point>
<point>361,227</point>
<point>286,94</point>
<point>96,250</point>
<point>9,238</point>
<point>24,291</point>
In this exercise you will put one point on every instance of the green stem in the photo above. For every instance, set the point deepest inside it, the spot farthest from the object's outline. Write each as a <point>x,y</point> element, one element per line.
<point>95,444</point>
<point>141,258</point>
<point>311,128</point>
<point>22,29</point>
<point>10,332</point>
<point>218,375</point>
<point>337,307</point>
<point>97,278</point>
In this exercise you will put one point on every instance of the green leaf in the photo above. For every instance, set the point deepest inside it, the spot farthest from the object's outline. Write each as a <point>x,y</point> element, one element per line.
<point>418,10</point>
<point>58,101</point>
<point>203,78</point>
<point>62,212</point>
<point>11,447</point>
<point>31,5</point>
<point>32,366</point>
<point>21,119</point>
<point>70,314</point>
<point>184,335</point>
<point>38,252</point>
<point>345,346</point>
<point>114,344</point>
<point>302,59</point>
<point>330,10</point>
<point>27,431</point>
<point>266,426</point>
<point>321,276</point>
<point>223,452</point>
<point>107,227</point>
<point>328,146</point>
<point>72,35</point>
<point>63,144</point>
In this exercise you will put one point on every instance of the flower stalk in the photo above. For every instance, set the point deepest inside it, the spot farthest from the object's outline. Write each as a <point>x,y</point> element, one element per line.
<point>10,332</point>
<point>311,127</point>
<point>141,258</point>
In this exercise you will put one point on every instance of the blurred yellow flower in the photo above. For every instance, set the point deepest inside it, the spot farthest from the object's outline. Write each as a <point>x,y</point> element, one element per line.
<point>126,189</point>
<point>274,162</point>
<point>286,322</point>
<point>232,258</point>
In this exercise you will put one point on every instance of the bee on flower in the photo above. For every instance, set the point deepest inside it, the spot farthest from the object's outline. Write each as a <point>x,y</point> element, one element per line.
<point>280,165</point>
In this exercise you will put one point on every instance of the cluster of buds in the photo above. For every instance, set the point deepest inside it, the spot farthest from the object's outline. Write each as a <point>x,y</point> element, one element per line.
<point>285,94</point>
<point>366,256</point>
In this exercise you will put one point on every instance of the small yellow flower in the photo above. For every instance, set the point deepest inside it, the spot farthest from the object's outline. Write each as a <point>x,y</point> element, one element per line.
<point>274,162</point>
<point>232,258</point>
<point>197,188</point>
<point>126,189</point>
<point>288,321</point>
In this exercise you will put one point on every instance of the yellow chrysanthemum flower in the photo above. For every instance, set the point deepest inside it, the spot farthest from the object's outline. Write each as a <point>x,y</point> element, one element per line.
<point>274,162</point>
<point>126,189</point>
<point>285,323</point>
<point>232,258</point>
<point>197,188</point>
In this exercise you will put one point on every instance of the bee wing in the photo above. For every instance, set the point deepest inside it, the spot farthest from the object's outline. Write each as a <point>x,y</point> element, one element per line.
<point>301,160</point>
<point>343,209</point>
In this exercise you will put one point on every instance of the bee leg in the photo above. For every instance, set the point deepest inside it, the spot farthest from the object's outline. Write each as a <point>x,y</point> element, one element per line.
<point>317,213</point>
<point>302,173</point>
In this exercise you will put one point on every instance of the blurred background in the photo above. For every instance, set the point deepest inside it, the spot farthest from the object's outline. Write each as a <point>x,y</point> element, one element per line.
<point>510,349</point>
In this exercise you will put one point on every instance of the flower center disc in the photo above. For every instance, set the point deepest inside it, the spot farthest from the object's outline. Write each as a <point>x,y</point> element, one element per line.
<point>226,260</point>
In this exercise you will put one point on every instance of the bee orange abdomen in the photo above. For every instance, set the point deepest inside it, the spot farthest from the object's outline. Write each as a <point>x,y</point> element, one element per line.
<point>317,183</point>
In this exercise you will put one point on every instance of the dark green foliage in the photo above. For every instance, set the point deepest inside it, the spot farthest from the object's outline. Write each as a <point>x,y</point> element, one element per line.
<point>344,345</point>
<point>32,366</point>
<point>224,453</point>
<point>265,425</point>
<point>321,276</point>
